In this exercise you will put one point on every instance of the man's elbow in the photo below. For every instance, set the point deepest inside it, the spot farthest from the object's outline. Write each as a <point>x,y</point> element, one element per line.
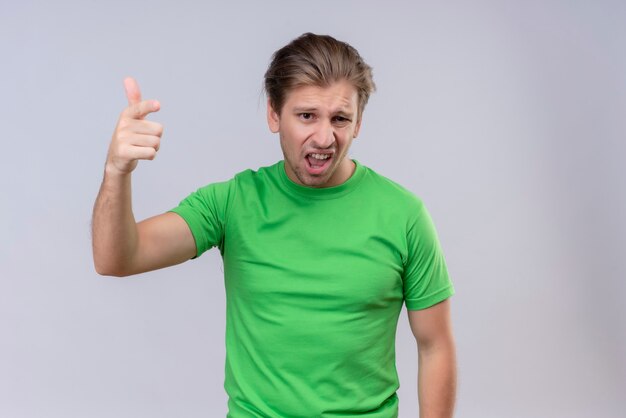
<point>105,269</point>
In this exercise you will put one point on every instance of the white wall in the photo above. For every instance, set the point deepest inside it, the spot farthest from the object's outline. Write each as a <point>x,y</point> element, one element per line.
<point>507,118</point>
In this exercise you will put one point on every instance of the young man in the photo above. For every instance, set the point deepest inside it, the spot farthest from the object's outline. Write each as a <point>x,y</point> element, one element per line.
<point>319,251</point>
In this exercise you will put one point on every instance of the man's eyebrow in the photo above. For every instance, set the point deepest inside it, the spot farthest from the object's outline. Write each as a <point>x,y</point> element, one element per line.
<point>304,109</point>
<point>340,111</point>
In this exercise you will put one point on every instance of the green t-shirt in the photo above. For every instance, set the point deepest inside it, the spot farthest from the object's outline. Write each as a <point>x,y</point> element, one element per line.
<point>315,280</point>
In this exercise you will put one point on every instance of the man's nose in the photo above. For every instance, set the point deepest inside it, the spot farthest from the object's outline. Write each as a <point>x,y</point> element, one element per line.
<point>324,135</point>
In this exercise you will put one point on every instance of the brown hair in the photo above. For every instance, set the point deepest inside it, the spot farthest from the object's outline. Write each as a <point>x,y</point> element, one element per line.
<point>317,60</point>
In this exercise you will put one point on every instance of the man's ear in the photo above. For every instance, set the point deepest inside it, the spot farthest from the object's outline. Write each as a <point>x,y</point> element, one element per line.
<point>273,119</point>
<point>357,128</point>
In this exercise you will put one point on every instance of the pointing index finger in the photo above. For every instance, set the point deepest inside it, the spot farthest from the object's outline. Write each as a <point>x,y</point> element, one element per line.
<point>133,94</point>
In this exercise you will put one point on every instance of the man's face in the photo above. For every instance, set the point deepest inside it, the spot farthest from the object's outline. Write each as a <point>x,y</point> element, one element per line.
<point>316,128</point>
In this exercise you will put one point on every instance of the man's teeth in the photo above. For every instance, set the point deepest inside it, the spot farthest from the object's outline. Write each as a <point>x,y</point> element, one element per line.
<point>320,156</point>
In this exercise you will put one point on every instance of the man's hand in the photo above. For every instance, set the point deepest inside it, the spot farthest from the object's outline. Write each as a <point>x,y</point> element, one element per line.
<point>134,137</point>
<point>121,246</point>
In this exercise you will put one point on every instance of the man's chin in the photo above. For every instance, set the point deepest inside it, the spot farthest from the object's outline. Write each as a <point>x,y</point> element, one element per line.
<point>306,179</point>
<point>314,181</point>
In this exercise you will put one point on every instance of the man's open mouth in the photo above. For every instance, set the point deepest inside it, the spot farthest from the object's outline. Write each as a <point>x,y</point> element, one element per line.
<point>317,163</point>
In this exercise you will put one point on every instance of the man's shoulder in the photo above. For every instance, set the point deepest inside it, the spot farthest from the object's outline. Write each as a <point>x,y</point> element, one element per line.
<point>242,176</point>
<point>391,191</point>
<point>257,178</point>
<point>267,170</point>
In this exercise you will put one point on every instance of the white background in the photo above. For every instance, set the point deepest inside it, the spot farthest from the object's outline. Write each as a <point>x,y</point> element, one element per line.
<point>506,118</point>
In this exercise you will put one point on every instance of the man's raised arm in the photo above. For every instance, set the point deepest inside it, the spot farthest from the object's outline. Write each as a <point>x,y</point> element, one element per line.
<point>121,246</point>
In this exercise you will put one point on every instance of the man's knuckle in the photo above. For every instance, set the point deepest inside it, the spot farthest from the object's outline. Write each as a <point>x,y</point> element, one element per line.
<point>135,112</point>
<point>123,124</point>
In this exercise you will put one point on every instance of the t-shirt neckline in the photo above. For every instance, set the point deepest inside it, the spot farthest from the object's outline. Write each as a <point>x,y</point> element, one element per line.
<point>322,192</point>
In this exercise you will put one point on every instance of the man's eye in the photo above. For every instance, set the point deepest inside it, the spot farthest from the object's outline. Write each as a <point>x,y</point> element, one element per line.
<point>341,119</point>
<point>306,116</point>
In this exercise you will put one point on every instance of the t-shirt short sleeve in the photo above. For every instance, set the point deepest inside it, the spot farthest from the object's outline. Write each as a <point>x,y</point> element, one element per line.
<point>426,281</point>
<point>206,212</point>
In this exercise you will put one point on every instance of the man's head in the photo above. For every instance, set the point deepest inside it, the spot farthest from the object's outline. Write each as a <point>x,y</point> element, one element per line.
<point>316,60</point>
<point>317,90</point>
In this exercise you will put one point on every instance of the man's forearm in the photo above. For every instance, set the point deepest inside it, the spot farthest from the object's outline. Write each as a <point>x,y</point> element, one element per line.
<point>114,231</point>
<point>437,381</point>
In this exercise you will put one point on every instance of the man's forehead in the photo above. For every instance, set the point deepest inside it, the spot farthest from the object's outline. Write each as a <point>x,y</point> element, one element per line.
<point>341,96</point>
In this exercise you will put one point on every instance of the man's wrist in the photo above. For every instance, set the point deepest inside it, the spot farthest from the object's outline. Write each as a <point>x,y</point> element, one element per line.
<point>113,173</point>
